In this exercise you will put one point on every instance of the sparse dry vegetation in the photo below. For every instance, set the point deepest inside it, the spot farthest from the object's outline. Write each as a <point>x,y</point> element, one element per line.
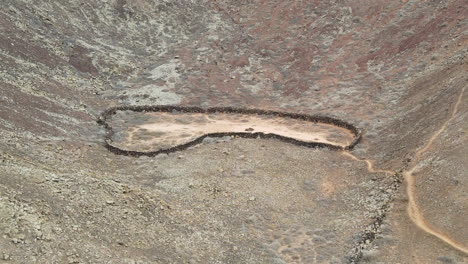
<point>394,69</point>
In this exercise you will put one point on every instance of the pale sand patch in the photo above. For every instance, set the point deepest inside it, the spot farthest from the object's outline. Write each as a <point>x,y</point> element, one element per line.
<point>160,130</point>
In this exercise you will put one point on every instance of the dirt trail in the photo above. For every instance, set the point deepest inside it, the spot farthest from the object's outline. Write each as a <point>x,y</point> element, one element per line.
<point>370,163</point>
<point>413,210</point>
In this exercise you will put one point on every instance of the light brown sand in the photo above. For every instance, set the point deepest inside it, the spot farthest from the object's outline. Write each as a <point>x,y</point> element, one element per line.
<point>165,130</point>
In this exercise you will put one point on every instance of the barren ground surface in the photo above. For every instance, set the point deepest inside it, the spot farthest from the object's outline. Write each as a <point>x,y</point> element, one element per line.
<point>395,69</point>
<point>155,131</point>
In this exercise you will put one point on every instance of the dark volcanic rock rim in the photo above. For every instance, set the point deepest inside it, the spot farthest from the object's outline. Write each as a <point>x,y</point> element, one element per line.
<point>102,120</point>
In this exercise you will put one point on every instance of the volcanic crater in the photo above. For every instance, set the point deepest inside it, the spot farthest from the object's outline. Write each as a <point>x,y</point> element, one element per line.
<point>233,131</point>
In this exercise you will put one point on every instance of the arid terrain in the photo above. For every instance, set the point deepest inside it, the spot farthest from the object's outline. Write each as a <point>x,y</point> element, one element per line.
<point>153,131</point>
<point>390,186</point>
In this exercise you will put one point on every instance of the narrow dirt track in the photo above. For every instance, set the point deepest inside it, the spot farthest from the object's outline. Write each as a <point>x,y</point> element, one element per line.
<point>413,210</point>
<point>370,164</point>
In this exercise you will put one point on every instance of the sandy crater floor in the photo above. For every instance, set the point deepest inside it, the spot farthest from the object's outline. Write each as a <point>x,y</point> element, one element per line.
<point>156,131</point>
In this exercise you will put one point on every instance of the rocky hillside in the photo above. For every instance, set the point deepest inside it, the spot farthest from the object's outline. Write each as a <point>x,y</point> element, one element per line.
<point>397,70</point>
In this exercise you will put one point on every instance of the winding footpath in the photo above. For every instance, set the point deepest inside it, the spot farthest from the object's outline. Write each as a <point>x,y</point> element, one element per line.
<point>413,210</point>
